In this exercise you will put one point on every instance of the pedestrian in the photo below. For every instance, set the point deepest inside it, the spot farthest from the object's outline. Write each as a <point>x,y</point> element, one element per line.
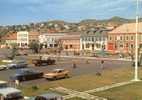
<point>74,65</point>
<point>102,62</point>
<point>17,82</point>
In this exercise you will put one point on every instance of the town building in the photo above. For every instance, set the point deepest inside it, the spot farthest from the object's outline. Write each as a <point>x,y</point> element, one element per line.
<point>94,40</point>
<point>10,39</point>
<point>70,43</point>
<point>50,40</point>
<point>33,36</point>
<point>23,39</point>
<point>122,39</point>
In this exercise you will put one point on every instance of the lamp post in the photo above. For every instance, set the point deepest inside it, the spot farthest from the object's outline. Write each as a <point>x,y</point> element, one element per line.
<point>136,45</point>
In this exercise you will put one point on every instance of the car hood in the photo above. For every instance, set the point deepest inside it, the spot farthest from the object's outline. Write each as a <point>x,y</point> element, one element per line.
<point>50,74</point>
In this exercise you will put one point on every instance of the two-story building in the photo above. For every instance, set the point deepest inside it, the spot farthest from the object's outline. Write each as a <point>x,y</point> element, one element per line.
<point>10,39</point>
<point>23,39</point>
<point>50,40</point>
<point>71,43</point>
<point>122,39</point>
<point>94,40</point>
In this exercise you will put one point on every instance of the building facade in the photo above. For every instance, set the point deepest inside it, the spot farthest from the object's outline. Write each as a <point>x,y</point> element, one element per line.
<point>10,39</point>
<point>33,36</point>
<point>70,43</point>
<point>94,40</point>
<point>23,39</point>
<point>50,40</point>
<point>122,39</point>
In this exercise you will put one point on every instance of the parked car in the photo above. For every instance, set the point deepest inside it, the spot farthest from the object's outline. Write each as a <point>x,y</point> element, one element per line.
<point>39,62</point>
<point>49,96</point>
<point>57,74</point>
<point>3,67</point>
<point>10,93</point>
<point>17,64</point>
<point>26,74</point>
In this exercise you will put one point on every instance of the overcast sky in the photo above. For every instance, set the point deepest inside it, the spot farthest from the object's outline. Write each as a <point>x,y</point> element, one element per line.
<point>25,11</point>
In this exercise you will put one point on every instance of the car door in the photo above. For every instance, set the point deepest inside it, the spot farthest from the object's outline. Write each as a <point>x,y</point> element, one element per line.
<point>60,74</point>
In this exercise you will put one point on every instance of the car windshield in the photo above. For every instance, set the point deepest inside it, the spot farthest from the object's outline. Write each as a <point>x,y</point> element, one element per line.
<point>57,70</point>
<point>24,71</point>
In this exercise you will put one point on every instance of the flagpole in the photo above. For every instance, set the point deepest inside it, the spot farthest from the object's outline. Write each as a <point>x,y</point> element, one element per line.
<point>136,44</point>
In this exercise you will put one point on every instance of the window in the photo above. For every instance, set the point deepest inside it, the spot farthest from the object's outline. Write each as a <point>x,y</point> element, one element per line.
<point>127,45</point>
<point>127,38</point>
<point>132,37</point>
<point>87,46</point>
<point>132,46</point>
<point>66,47</point>
<point>93,39</point>
<point>110,38</point>
<point>121,38</point>
<point>121,45</point>
<point>71,46</point>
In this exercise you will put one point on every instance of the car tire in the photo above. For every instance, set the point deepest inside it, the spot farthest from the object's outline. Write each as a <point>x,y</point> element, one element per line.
<point>66,76</point>
<point>54,78</point>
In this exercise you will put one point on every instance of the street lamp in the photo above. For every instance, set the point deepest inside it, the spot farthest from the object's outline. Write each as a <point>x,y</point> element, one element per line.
<point>136,44</point>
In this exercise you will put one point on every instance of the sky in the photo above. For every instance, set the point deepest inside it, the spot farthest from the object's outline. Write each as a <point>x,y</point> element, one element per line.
<point>26,11</point>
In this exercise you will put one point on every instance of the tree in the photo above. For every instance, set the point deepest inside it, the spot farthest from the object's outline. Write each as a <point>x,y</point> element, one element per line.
<point>34,46</point>
<point>14,51</point>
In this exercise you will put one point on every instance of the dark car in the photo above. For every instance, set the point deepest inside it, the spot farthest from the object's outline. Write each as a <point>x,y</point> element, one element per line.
<point>17,64</point>
<point>26,74</point>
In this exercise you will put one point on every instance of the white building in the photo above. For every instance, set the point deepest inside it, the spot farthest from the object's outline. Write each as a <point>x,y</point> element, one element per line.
<point>23,39</point>
<point>94,40</point>
<point>50,40</point>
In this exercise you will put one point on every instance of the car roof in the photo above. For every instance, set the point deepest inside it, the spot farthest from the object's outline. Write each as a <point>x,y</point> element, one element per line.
<point>57,69</point>
<point>50,95</point>
<point>8,90</point>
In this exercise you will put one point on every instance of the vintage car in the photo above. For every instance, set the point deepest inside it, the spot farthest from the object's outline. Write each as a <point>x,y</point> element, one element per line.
<point>57,74</point>
<point>10,93</point>
<point>49,96</point>
<point>3,67</point>
<point>15,64</point>
<point>40,62</point>
<point>26,74</point>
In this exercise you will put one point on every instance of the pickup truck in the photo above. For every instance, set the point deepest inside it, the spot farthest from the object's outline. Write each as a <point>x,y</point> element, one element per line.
<point>40,62</point>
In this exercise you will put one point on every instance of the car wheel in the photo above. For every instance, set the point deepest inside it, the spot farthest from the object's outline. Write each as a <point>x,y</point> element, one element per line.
<point>54,78</point>
<point>66,76</point>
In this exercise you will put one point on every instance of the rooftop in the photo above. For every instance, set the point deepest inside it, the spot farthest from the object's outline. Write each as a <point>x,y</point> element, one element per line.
<point>8,90</point>
<point>127,28</point>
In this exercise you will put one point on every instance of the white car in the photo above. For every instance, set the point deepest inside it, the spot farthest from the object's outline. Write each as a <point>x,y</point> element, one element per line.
<point>3,67</point>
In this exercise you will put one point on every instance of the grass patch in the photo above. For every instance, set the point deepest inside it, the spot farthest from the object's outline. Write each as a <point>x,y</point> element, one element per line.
<point>128,92</point>
<point>83,82</point>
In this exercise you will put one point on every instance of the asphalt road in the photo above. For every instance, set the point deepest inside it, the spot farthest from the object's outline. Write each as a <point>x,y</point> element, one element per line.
<point>92,66</point>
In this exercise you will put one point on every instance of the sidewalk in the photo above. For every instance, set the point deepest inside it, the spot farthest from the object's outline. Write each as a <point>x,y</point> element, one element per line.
<point>84,57</point>
<point>86,94</point>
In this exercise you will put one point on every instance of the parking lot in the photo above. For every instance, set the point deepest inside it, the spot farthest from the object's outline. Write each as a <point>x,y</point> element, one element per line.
<point>83,66</point>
